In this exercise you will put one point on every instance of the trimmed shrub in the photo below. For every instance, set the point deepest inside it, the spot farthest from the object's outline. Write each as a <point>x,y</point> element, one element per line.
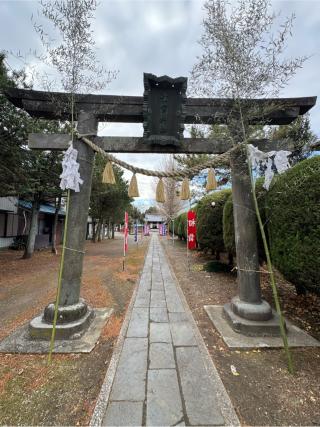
<point>183,226</point>
<point>228,226</point>
<point>209,221</point>
<point>180,226</point>
<point>293,204</point>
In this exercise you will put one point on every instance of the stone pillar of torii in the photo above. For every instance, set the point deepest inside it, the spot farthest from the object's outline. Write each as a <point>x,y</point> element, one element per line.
<point>163,110</point>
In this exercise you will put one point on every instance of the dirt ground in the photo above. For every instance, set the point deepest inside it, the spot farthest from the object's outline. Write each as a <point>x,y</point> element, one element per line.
<point>263,392</point>
<point>64,393</point>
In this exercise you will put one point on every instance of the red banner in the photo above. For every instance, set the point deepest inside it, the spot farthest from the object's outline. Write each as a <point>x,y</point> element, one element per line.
<point>126,233</point>
<point>192,230</point>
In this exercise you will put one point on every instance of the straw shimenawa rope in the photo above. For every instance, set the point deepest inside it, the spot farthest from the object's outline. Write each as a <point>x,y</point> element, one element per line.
<point>219,160</point>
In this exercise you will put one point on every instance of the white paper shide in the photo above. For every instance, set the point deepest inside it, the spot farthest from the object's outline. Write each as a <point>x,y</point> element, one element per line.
<point>272,161</point>
<point>70,177</point>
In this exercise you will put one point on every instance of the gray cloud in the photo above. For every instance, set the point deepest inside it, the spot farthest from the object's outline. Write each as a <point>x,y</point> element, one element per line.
<point>136,36</point>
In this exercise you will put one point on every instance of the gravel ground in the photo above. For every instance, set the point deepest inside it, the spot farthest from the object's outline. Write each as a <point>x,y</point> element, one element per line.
<point>31,392</point>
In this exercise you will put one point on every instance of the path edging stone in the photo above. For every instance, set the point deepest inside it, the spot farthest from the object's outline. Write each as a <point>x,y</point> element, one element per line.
<point>103,398</point>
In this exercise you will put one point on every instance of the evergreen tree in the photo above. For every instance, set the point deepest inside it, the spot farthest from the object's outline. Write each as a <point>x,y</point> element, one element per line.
<point>108,202</point>
<point>301,134</point>
<point>31,175</point>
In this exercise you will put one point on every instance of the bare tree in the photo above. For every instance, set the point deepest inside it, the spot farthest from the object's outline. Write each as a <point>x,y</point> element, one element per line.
<point>172,204</point>
<point>73,56</point>
<point>242,58</point>
<point>71,53</point>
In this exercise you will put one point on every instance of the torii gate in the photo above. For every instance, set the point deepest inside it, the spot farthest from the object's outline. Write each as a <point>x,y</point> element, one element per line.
<point>163,110</point>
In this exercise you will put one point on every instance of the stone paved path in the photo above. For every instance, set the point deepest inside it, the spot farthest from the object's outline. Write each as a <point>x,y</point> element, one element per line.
<point>161,377</point>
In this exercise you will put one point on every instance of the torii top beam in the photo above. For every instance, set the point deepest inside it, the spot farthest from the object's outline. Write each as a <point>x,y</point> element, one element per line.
<point>129,109</point>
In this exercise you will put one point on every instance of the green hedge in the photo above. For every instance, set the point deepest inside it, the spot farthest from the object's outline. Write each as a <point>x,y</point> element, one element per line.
<point>183,226</point>
<point>293,209</point>
<point>209,221</point>
<point>180,226</point>
<point>290,211</point>
<point>228,226</point>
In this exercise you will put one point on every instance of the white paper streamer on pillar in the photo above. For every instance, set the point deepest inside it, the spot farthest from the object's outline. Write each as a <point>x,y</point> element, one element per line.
<point>279,161</point>
<point>70,177</point>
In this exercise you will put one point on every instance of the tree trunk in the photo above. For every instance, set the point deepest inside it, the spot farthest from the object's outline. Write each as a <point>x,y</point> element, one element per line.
<point>54,228</point>
<point>99,231</point>
<point>103,230</point>
<point>112,230</point>
<point>109,229</point>
<point>94,234</point>
<point>33,230</point>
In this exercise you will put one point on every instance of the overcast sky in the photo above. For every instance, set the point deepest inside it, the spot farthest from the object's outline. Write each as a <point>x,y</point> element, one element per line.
<point>160,37</point>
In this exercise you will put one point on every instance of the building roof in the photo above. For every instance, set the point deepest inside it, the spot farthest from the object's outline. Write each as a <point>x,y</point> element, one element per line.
<point>44,207</point>
<point>154,218</point>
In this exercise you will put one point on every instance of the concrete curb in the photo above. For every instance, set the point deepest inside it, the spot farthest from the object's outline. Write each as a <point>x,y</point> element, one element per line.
<point>224,401</point>
<point>103,398</point>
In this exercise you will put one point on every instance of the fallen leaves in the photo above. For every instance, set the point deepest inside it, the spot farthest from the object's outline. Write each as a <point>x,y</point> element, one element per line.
<point>31,392</point>
<point>234,371</point>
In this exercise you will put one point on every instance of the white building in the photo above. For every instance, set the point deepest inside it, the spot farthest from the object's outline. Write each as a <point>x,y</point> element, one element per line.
<point>154,220</point>
<point>9,220</point>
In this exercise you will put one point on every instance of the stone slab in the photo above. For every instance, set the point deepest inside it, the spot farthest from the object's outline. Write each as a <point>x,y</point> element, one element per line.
<point>142,303</point>
<point>164,407</point>
<point>174,305</point>
<point>160,332</point>
<point>20,342</point>
<point>138,326</point>
<point>158,314</point>
<point>143,292</point>
<point>129,381</point>
<point>234,340</point>
<point>145,285</point>
<point>142,299</point>
<point>169,286</point>
<point>178,317</point>
<point>182,334</point>
<point>158,303</point>
<point>198,390</point>
<point>123,414</point>
<point>104,395</point>
<point>157,295</point>
<point>157,287</point>
<point>134,381</point>
<point>161,356</point>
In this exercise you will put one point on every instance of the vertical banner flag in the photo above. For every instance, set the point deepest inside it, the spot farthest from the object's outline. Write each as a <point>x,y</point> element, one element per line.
<point>135,232</point>
<point>192,243</point>
<point>146,230</point>
<point>164,229</point>
<point>126,233</point>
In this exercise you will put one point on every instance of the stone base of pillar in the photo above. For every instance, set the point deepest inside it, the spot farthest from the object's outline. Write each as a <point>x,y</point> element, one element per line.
<point>249,311</point>
<point>72,321</point>
<point>253,328</point>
